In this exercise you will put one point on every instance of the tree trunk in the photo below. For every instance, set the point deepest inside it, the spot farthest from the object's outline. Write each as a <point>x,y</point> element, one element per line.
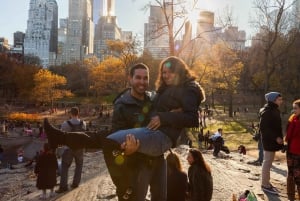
<point>230,104</point>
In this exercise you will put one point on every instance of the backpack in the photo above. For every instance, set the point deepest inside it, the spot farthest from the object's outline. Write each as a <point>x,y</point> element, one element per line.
<point>76,127</point>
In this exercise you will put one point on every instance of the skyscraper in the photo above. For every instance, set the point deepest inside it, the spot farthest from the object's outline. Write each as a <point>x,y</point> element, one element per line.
<point>41,34</point>
<point>106,29</point>
<point>19,38</point>
<point>80,31</point>
<point>156,38</point>
<point>297,14</point>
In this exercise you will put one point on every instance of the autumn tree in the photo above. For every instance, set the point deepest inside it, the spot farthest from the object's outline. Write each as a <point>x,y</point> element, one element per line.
<point>49,87</point>
<point>153,65</point>
<point>290,74</point>
<point>16,79</point>
<point>108,77</point>
<point>77,75</point>
<point>220,69</point>
<point>273,22</point>
<point>126,51</point>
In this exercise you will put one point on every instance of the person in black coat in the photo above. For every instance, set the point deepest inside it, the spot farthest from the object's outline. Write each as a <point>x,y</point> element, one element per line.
<point>200,178</point>
<point>271,136</point>
<point>177,183</point>
<point>45,170</point>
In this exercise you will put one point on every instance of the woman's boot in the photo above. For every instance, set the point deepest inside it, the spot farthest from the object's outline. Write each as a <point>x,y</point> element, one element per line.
<point>117,165</point>
<point>290,185</point>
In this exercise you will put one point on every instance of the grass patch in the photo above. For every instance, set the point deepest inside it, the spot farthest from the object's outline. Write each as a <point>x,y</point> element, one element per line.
<point>235,131</point>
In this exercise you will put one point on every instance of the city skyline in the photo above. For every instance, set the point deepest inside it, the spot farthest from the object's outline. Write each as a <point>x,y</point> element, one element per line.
<point>126,12</point>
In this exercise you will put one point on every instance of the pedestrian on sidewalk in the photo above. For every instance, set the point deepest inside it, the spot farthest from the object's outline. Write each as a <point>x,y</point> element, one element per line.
<point>271,136</point>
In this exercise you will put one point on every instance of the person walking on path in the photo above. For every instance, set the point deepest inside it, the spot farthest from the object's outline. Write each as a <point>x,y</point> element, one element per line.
<point>45,169</point>
<point>74,124</point>
<point>271,136</point>
<point>293,151</point>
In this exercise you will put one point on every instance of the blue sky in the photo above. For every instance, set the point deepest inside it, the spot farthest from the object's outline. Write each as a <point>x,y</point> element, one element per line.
<point>131,17</point>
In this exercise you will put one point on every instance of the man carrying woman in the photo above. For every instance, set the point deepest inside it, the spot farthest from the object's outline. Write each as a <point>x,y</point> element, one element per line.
<point>175,107</point>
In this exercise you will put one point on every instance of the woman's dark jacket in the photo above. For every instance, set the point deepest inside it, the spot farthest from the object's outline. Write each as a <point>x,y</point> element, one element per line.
<point>177,187</point>
<point>270,126</point>
<point>200,183</point>
<point>186,97</point>
<point>45,169</point>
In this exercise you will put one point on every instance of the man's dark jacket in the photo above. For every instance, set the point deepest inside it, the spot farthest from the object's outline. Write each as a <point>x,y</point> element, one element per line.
<point>130,112</point>
<point>270,126</point>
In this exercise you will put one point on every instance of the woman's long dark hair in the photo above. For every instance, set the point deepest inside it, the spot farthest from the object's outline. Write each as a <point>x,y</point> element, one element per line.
<point>199,160</point>
<point>177,66</point>
<point>173,163</point>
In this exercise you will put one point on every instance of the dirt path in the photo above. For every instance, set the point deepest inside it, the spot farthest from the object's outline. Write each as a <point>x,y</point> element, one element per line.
<point>231,176</point>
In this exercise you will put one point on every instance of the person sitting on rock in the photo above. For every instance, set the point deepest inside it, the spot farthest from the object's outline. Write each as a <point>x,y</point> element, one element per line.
<point>218,143</point>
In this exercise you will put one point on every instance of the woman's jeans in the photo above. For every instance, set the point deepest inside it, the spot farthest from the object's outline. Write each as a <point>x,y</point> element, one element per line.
<point>152,142</point>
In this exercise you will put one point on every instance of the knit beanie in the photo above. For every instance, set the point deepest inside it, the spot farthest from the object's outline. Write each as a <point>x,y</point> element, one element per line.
<point>271,96</point>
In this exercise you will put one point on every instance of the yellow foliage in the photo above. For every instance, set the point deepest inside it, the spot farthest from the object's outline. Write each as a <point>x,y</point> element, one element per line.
<point>48,86</point>
<point>24,116</point>
<point>108,76</point>
<point>219,68</point>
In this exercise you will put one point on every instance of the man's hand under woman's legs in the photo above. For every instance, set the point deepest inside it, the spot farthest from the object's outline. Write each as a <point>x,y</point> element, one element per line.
<point>130,145</point>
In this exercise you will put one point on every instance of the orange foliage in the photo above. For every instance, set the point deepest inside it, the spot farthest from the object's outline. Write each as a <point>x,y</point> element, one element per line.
<point>24,116</point>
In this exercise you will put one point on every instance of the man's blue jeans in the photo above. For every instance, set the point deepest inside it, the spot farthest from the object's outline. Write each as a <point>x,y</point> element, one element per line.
<point>152,142</point>
<point>153,173</point>
<point>67,158</point>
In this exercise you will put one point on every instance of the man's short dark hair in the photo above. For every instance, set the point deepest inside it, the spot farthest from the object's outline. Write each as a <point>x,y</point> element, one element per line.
<point>74,111</point>
<point>137,66</point>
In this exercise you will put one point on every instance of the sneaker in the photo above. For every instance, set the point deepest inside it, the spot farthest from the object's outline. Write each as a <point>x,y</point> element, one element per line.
<point>274,188</point>
<point>43,197</point>
<point>61,190</point>
<point>270,189</point>
<point>256,163</point>
<point>52,194</point>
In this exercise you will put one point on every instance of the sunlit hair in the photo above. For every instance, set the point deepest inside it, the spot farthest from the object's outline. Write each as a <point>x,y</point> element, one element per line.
<point>137,66</point>
<point>177,66</point>
<point>297,102</point>
<point>199,160</point>
<point>173,162</point>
